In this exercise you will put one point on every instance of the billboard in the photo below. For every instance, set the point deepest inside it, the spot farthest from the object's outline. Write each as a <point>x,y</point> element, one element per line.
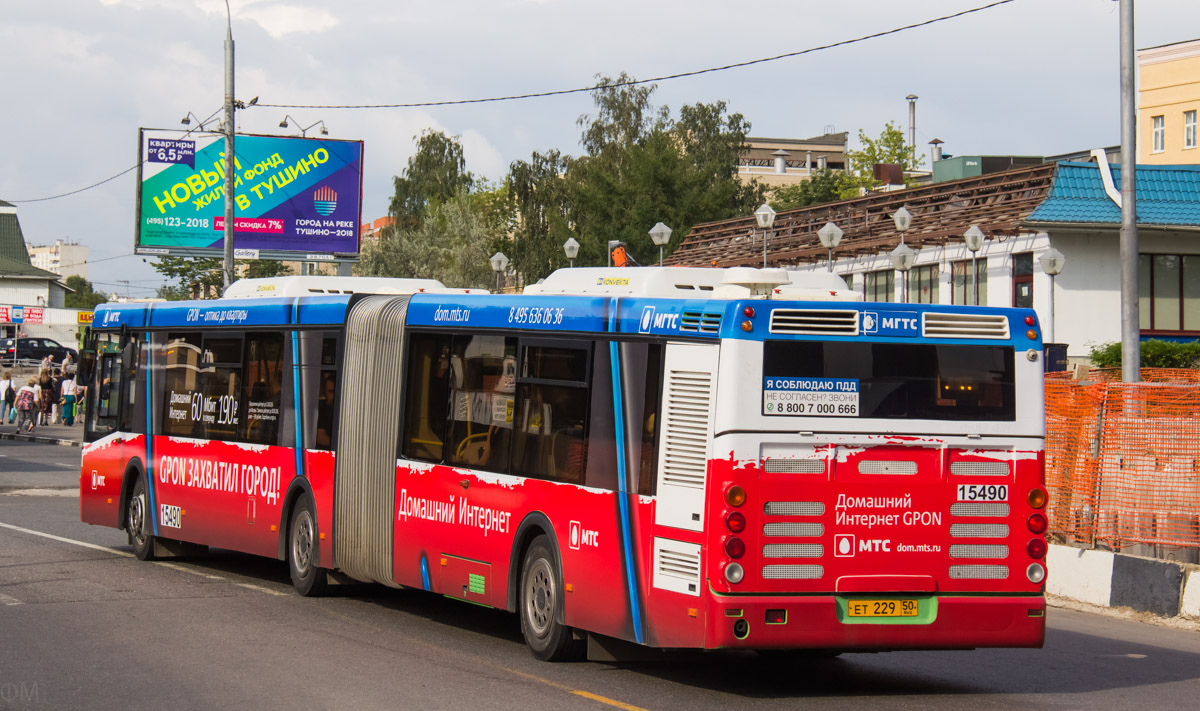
<point>295,198</point>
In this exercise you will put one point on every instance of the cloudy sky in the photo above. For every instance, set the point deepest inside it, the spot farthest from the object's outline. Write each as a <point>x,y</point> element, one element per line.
<point>81,76</point>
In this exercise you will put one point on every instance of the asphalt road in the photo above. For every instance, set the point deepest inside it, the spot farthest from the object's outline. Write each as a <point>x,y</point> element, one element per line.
<point>83,624</point>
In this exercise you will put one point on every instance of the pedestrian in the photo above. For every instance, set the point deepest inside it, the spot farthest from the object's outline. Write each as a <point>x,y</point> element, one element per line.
<point>48,362</point>
<point>26,406</point>
<point>68,365</point>
<point>56,401</point>
<point>45,397</point>
<point>68,400</point>
<point>8,397</point>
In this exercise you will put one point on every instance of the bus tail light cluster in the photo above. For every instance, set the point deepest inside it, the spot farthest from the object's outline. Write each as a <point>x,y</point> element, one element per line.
<point>735,521</point>
<point>1036,548</point>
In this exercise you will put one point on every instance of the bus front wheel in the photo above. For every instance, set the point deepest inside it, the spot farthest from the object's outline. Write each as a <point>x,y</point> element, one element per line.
<point>137,521</point>
<point>541,606</point>
<point>308,578</point>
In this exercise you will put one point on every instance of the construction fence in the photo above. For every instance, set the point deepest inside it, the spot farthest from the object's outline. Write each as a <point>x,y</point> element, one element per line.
<point>1123,461</point>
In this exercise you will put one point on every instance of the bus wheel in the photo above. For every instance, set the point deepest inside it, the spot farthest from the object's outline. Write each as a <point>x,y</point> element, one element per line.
<point>308,578</point>
<point>139,510</point>
<point>541,606</point>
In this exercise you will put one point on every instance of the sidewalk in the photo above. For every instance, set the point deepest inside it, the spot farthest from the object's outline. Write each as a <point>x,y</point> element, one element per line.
<point>47,434</point>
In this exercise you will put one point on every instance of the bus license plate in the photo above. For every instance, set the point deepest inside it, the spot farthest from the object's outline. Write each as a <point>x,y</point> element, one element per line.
<point>982,492</point>
<point>882,608</point>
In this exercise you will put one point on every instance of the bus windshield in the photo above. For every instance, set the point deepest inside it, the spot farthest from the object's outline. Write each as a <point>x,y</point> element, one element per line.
<point>895,380</point>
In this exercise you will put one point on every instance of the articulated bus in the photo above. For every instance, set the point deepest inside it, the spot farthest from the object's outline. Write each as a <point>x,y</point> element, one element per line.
<point>626,458</point>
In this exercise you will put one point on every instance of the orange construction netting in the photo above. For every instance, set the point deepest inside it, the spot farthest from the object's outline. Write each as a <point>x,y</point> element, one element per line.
<point>1123,459</point>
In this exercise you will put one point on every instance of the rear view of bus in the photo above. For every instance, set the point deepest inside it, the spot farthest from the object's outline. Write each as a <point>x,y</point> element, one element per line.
<point>875,476</point>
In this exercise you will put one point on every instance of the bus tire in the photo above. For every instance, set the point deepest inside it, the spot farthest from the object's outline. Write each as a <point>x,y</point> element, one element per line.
<point>309,579</point>
<point>541,606</point>
<point>135,517</point>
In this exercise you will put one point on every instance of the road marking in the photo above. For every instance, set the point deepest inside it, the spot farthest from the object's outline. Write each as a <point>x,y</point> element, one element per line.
<point>5,599</point>
<point>60,539</point>
<point>66,493</point>
<point>606,700</point>
<point>64,466</point>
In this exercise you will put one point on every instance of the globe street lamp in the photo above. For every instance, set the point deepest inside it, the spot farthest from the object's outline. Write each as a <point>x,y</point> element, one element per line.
<point>903,256</point>
<point>766,218</point>
<point>974,237</point>
<point>499,264</point>
<point>571,249</point>
<point>830,235</point>
<point>661,235</point>
<point>1052,263</point>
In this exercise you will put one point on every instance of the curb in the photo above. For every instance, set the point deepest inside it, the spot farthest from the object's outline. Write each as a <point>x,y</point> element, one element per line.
<point>1159,587</point>
<point>41,440</point>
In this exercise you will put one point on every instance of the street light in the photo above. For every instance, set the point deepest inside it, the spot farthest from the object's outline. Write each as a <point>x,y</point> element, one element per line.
<point>766,218</point>
<point>571,248</point>
<point>830,235</point>
<point>903,256</point>
<point>661,234</point>
<point>499,264</point>
<point>303,131</point>
<point>187,120</point>
<point>1052,263</point>
<point>974,237</point>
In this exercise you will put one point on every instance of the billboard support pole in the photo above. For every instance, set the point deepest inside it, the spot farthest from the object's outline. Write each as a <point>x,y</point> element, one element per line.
<point>230,168</point>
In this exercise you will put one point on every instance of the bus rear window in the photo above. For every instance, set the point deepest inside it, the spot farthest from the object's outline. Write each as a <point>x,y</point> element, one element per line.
<point>895,380</point>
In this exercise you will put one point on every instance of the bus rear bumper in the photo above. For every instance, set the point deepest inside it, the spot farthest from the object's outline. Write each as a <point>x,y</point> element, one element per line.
<point>821,622</point>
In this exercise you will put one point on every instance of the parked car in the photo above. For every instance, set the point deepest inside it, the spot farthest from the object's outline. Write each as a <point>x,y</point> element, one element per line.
<point>26,349</point>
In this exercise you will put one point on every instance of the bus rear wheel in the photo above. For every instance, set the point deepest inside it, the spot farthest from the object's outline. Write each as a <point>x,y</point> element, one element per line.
<point>541,606</point>
<point>308,578</point>
<point>136,520</point>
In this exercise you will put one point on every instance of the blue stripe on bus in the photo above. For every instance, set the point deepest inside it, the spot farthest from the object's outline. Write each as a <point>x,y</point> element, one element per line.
<point>425,571</point>
<point>622,484</point>
<point>296,398</point>
<point>149,434</point>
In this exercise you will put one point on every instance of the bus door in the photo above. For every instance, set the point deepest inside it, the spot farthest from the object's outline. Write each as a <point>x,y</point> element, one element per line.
<point>109,401</point>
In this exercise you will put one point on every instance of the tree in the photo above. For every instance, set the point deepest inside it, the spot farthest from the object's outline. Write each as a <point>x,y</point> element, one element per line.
<point>890,147</point>
<point>84,296</point>
<point>435,174</point>
<point>265,268</point>
<point>204,274</point>
<point>824,186</point>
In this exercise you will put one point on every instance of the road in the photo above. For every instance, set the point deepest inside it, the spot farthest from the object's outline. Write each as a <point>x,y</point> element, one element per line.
<point>83,624</point>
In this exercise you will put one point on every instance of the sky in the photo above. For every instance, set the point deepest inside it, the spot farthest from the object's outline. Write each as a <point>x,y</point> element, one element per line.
<point>80,77</point>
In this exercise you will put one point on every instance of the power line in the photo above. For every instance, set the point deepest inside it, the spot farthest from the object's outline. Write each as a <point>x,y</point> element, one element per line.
<point>635,82</point>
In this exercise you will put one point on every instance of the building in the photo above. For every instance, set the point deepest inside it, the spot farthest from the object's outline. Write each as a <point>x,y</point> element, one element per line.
<point>1023,213</point>
<point>1168,103</point>
<point>776,162</point>
<point>63,258</point>
<point>374,230</point>
<point>31,299</point>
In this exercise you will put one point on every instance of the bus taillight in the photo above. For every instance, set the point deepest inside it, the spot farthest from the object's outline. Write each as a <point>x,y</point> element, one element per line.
<point>735,548</point>
<point>735,522</point>
<point>1036,573</point>
<point>1036,548</point>
<point>1037,523</point>
<point>734,573</point>
<point>1037,498</point>
<point>735,495</point>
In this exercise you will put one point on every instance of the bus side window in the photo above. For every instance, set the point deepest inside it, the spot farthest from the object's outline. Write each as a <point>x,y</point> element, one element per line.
<point>482,382</point>
<point>426,397</point>
<point>263,389</point>
<point>641,372</point>
<point>319,383</point>
<point>550,440</point>
<point>105,405</point>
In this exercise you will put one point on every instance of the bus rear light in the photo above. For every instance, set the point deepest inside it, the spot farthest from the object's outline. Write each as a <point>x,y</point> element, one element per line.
<point>1037,523</point>
<point>1037,498</point>
<point>735,548</point>
<point>776,617</point>
<point>735,522</point>
<point>1031,334</point>
<point>748,311</point>
<point>734,573</point>
<point>747,326</point>
<point>1036,573</point>
<point>735,495</point>
<point>1029,321</point>
<point>1036,548</point>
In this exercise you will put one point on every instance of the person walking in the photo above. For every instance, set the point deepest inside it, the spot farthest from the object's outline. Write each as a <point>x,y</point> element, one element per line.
<point>45,397</point>
<point>26,406</point>
<point>68,400</point>
<point>56,401</point>
<point>8,396</point>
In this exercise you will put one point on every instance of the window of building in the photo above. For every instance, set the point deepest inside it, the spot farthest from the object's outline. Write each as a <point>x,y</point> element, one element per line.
<point>1189,129</point>
<point>1160,134</point>
<point>849,279</point>
<point>923,284</point>
<point>879,286</point>
<point>1022,276</point>
<point>1169,292</point>
<point>965,291</point>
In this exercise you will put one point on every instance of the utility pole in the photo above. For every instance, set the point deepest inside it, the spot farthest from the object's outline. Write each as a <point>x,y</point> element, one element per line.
<point>1131,357</point>
<point>230,164</point>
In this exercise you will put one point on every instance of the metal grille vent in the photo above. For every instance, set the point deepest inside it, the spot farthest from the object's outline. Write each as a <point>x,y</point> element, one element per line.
<point>979,572</point>
<point>793,550</point>
<point>794,508</point>
<point>699,321</point>
<point>794,466</point>
<point>979,530</point>
<point>674,564</point>
<point>819,322</point>
<point>687,424</point>
<point>983,510</point>
<point>943,325</point>
<point>978,550</point>
<point>797,530</point>
<point>792,572</point>
<point>979,468</point>
<point>872,466</point>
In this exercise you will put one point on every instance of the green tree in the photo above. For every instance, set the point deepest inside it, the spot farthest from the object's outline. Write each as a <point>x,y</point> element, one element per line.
<point>1154,353</point>
<point>890,147</point>
<point>435,173</point>
<point>84,296</point>
<point>202,273</point>
<point>824,186</point>
<point>264,268</point>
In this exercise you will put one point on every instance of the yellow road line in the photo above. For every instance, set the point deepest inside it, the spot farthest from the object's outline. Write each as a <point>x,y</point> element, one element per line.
<point>606,700</point>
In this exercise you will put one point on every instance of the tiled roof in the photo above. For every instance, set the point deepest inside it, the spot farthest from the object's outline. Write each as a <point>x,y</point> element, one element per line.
<point>15,267</point>
<point>1166,195</point>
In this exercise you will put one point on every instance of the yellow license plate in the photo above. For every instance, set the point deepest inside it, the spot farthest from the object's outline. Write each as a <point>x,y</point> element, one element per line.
<point>882,608</point>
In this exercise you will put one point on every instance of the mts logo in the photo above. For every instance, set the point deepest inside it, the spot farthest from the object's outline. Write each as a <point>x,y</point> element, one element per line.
<point>899,323</point>
<point>580,536</point>
<point>875,545</point>
<point>651,319</point>
<point>97,479</point>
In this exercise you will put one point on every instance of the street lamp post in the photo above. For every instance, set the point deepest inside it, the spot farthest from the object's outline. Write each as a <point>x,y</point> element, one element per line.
<point>830,236</point>
<point>303,130</point>
<point>499,264</point>
<point>766,218</point>
<point>229,164</point>
<point>661,235</point>
<point>903,256</point>
<point>974,238</point>
<point>571,249</point>
<point>1052,263</point>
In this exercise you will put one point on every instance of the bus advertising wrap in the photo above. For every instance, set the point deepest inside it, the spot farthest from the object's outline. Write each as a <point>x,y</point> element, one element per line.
<point>299,197</point>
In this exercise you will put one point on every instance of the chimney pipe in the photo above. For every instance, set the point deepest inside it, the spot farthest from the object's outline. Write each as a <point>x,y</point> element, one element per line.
<point>912,129</point>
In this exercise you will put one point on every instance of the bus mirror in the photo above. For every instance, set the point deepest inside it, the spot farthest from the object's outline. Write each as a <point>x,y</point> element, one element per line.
<point>124,336</point>
<point>87,364</point>
<point>128,353</point>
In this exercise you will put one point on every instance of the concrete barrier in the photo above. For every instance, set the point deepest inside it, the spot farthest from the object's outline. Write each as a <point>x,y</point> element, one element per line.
<point>1159,587</point>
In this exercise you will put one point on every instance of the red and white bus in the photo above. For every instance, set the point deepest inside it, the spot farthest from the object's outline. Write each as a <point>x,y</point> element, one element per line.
<point>672,458</point>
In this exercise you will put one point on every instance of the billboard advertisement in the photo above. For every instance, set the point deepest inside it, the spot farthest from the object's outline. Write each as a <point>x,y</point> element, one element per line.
<point>295,198</point>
